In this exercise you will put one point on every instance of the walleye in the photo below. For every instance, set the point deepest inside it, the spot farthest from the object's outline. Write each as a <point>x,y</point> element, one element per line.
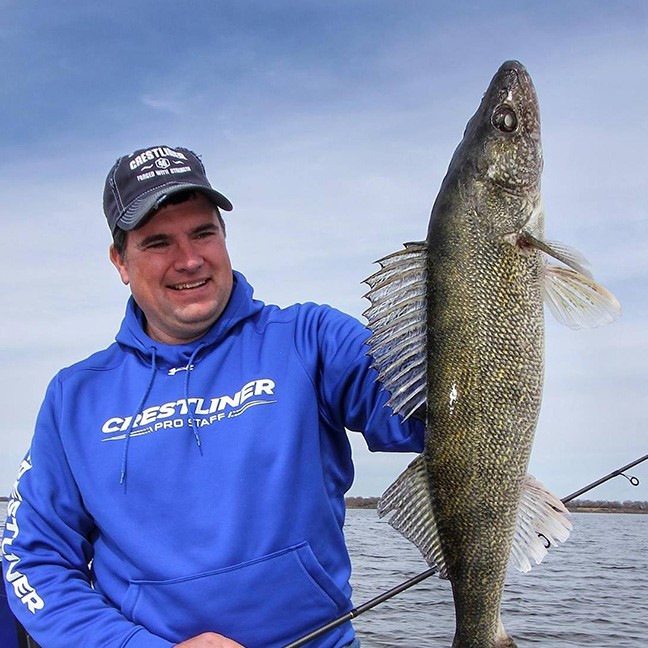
<point>458,331</point>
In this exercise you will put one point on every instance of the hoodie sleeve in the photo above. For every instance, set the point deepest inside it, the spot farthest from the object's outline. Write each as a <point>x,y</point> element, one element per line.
<point>46,552</point>
<point>350,393</point>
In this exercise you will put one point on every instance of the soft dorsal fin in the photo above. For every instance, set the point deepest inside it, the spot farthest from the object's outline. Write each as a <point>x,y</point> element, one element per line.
<point>542,520</point>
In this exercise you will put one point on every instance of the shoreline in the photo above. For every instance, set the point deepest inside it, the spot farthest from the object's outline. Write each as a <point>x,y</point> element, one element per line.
<point>586,506</point>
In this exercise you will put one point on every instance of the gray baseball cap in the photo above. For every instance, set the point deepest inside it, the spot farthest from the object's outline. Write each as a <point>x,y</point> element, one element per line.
<point>138,183</point>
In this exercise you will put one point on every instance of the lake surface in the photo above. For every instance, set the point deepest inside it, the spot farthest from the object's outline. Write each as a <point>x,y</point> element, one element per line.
<point>592,591</point>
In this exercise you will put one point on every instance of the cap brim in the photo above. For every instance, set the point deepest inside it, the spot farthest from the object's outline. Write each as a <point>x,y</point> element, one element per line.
<point>138,210</point>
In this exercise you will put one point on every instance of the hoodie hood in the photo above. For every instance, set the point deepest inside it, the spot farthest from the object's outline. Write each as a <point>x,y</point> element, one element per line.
<point>132,333</point>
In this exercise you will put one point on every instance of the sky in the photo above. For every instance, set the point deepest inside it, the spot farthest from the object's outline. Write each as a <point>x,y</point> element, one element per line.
<point>329,124</point>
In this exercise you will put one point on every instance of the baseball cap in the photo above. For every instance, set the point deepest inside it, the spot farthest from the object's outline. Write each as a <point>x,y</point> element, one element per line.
<point>138,183</point>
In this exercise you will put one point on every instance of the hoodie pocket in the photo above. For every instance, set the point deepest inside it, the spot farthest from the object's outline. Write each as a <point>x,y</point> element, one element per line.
<point>261,603</point>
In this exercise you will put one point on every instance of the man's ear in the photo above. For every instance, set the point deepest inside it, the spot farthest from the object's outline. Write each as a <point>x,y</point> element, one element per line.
<point>118,261</point>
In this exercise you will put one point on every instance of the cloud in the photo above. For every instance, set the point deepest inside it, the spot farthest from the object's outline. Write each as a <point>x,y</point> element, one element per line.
<point>174,106</point>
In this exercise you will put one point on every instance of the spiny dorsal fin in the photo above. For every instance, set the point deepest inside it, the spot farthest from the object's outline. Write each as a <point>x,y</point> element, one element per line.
<point>397,321</point>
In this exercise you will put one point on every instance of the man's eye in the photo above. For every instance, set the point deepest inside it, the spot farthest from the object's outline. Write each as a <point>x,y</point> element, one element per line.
<point>206,234</point>
<point>155,245</point>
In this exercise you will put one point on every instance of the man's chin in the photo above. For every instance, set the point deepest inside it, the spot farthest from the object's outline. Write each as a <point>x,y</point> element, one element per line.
<point>196,319</point>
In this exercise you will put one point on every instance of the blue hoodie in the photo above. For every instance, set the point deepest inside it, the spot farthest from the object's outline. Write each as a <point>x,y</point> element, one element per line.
<point>176,489</point>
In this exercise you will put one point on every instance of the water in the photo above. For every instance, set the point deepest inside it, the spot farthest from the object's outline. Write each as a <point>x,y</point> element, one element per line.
<point>592,591</point>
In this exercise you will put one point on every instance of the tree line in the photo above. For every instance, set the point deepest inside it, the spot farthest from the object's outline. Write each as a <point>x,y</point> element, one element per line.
<point>631,506</point>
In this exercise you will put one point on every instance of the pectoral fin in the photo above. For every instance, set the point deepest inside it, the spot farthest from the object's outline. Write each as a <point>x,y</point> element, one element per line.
<point>572,295</point>
<point>559,251</point>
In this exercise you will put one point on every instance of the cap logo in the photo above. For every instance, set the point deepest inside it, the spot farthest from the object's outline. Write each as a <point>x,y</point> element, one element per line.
<point>155,154</point>
<point>158,158</point>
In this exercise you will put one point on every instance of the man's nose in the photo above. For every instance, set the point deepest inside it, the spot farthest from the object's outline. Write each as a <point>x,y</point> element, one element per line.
<point>188,257</point>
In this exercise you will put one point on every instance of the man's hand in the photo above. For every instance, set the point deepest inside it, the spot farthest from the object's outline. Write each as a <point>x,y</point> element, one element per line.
<point>209,640</point>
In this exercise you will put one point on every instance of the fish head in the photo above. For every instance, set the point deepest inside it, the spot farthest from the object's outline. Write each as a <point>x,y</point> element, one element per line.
<point>504,133</point>
<point>502,149</point>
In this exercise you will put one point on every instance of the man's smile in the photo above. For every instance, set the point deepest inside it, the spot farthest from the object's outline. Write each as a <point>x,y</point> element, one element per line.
<point>187,286</point>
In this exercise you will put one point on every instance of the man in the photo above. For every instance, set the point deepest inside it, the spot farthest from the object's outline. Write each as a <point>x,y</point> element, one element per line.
<point>185,486</point>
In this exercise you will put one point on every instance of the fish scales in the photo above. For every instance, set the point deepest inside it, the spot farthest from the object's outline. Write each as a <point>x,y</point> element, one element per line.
<point>477,349</point>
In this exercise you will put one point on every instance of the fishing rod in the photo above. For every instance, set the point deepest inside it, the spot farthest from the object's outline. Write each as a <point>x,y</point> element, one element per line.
<point>615,473</point>
<point>352,614</point>
<point>381,598</point>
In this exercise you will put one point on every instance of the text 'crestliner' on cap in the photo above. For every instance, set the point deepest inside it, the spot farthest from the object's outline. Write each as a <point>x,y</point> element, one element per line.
<point>139,182</point>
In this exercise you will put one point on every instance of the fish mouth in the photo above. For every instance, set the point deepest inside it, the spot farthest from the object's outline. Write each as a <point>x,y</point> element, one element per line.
<point>513,65</point>
<point>512,79</point>
<point>516,70</point>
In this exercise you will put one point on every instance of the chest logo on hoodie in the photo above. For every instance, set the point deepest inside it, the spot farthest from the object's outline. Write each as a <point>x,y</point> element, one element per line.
<point>192,412</point>
<point>174,370</point>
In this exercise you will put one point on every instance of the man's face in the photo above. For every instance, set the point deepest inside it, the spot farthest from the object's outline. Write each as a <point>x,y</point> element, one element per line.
<point>178,269</point>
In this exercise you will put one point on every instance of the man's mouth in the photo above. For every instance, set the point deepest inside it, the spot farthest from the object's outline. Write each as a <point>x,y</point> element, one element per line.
<point>188,286</point>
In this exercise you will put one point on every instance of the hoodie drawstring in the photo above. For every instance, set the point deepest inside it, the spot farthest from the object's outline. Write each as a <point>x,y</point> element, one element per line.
<point>186,394</point>
<point>137,411</point>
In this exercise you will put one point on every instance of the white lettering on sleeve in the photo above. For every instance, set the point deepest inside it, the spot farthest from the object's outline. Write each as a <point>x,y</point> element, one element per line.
<point>22,588</point>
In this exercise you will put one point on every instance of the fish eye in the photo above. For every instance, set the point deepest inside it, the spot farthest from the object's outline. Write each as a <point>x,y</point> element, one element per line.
<point>504,119</point>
